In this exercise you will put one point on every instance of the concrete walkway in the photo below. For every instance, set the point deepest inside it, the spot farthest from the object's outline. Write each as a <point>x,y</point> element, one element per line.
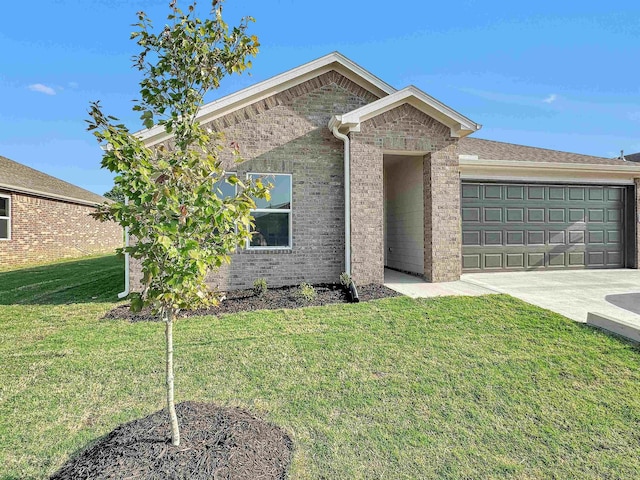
<point>577,294</point>
<point>415,287</point>
<point>572,293</point>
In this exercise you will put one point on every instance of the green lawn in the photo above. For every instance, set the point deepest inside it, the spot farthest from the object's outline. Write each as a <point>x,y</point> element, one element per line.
<point>484,387</point>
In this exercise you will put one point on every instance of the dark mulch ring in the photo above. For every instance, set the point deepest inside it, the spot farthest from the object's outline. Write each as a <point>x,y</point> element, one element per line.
<point>274,298</point>
<point>216,443</point>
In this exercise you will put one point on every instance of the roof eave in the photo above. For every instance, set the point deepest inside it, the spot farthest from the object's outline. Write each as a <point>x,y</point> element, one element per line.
<point>53,196</point>
<point>460,125</point>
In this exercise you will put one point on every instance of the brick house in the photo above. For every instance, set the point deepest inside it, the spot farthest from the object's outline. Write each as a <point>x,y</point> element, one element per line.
<point>43,218</point>
<point>422,196</point>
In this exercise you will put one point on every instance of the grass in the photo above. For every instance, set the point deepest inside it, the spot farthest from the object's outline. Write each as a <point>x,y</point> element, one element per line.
<point>468,387</point>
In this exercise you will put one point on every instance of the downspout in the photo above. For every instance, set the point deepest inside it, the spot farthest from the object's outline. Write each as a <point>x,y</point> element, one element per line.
<point>347,193</point>
<point>126,260</point>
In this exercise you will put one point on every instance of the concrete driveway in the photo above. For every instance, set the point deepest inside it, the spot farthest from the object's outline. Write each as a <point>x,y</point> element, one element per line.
<point>572,293</point>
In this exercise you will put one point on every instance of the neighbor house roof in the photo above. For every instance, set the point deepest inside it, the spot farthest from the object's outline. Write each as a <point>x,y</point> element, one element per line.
<point>492,150</point>
<point>19,178</point>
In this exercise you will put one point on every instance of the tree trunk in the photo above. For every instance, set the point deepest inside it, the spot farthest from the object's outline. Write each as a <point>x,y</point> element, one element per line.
<point>175,432</point>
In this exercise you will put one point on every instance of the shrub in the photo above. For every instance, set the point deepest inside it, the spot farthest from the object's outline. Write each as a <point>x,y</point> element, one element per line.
<point>260,286</point>
<point>306,292</point>
<point>345,279</point>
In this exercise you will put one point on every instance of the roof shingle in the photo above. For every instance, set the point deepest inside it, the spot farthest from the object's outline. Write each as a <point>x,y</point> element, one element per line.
<point>492,150</point>
<point>15,176</point>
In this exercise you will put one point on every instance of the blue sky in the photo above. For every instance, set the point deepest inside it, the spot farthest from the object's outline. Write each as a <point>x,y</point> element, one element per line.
<point>560,75</point>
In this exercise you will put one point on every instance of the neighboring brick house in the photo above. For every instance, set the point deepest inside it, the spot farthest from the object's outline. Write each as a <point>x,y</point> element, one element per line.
<point>43,218</point>
<point>421,197</point>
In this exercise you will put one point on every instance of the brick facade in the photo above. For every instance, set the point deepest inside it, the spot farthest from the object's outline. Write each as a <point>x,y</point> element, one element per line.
<point>405,129</point>
<point>287,133</point>
<point>44,230</point>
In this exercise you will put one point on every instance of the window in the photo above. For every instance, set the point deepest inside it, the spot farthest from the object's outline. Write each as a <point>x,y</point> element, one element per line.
<point>272,217</point>
<point>5,217</point>
<point>223,188</point>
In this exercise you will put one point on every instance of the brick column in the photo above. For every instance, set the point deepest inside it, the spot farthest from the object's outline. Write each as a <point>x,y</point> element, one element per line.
<point>367,200</point>
<point>442,224</point>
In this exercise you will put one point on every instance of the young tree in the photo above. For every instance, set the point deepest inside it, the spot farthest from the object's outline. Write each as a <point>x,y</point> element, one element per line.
<point>182,224</point>
<point>116,194</point>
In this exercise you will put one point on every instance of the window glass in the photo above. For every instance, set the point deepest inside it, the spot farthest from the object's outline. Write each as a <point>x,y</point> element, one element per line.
<point>4,207</point>
<point>4,228</point>
<point>223,188</point>
<point>280,192</point>
<point>272,217</point>
<point>271,229</point>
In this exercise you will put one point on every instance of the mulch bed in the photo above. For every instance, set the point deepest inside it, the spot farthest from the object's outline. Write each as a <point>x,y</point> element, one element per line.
<point>274,298</point>
<point>216,443</point>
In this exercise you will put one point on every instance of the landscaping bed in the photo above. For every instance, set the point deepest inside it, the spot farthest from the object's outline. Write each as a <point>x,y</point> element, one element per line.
<point>217,442</point>
<point>273,299</point>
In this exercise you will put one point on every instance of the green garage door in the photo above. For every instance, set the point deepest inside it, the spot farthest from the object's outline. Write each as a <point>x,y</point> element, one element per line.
<point>531,226</point>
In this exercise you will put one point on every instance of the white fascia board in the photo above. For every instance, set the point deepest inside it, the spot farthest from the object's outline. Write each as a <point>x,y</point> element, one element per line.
<point>460,125</point>
<point>631,170</point>
<point>53,196</point>
<point>259,91</point>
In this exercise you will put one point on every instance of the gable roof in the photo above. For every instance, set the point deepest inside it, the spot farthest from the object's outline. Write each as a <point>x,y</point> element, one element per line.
<point>493,150</point>
<point>19,178</point>
<point>235,101</point>
<point>459,124</point>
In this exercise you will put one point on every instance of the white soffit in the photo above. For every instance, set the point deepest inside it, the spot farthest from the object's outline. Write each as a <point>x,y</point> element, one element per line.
<point>235,101</point>
<point>460,125</point>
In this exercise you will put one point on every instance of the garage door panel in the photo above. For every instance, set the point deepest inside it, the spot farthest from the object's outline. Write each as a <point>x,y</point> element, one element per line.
<point>521,226</point>
<point>492,260</point>
<point>576,259</point>
<point>471,238</point>
<point>535,260</point>
<point>515,215</point>
<point>535,193</point>
<point>614,258</point>
<point>492,214</point>
<point>471,191</point>
<point>576,237</point>
<point>535,215</point>
<point>493,192</point>
<point>515,192</point>
<point>557,259</point>
<point>515,260</point>
<point>515,237</point>
<point>577,215</point>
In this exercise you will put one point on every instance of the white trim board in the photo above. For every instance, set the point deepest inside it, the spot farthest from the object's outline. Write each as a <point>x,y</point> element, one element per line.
<point>504,170</point>
<point>460,125</point>
<point>8,217</point>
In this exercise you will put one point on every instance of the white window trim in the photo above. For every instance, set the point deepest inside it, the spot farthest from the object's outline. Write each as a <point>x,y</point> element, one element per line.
<point>275,210</point>
<point>7,218</point>
<point>235,193</point>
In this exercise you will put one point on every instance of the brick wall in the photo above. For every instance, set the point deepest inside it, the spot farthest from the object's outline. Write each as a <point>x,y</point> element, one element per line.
<point>443,229</point>
<point>405,129</point>
<point>43,230</point>
<point>287,133</point>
